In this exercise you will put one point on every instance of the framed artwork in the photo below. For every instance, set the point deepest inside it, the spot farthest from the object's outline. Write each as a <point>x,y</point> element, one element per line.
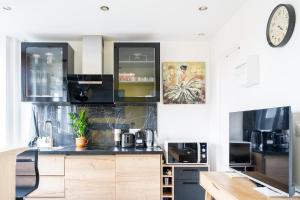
<point>184,82</point>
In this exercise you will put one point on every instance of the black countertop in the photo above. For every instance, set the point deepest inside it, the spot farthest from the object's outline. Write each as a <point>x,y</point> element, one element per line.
<point>99,151</point>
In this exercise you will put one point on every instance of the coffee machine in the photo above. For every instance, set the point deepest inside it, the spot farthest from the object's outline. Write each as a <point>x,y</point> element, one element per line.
<point>140,139</point>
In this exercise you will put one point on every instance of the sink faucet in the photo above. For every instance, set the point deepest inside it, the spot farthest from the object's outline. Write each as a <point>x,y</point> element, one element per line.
<point>50,132</point>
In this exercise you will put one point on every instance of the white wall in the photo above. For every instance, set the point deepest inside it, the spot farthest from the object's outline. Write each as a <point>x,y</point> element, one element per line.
<point>2,87</point>
<point>279,70</point>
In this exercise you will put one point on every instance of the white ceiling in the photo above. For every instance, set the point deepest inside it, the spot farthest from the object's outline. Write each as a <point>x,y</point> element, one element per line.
<point>126,19</point>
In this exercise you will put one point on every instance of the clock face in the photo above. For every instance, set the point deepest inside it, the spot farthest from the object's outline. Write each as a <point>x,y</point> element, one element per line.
<point>281,25</point>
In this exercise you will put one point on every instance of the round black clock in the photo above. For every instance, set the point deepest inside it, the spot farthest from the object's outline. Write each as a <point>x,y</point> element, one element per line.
<point>281,25</point>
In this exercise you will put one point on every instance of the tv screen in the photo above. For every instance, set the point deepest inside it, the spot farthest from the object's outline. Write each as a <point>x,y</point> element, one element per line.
<point>260,146</point>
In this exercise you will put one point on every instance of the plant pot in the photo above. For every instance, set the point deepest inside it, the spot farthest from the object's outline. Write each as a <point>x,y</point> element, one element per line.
<point>81,142</point>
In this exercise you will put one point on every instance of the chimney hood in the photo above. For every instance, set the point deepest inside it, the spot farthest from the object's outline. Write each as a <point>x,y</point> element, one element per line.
<point>92,54</point>
<point>91,86</point>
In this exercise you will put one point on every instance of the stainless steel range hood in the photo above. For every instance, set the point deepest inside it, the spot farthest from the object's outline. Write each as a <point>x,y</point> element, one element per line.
<point>92,55</point>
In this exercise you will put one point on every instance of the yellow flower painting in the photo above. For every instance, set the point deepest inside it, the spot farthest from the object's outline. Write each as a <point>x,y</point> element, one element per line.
<point>184,82</point>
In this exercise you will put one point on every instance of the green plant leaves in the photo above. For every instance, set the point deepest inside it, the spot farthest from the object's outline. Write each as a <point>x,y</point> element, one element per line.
<point>79,123</point>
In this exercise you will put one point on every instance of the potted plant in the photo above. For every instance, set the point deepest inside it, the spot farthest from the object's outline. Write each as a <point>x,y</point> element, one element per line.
<point>79,125</point>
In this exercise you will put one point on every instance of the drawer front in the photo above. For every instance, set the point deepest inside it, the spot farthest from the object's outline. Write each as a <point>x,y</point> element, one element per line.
<point>90,177</point>
<point>212,188</point>
<point>188,173</point>
<point>188,190</point>
<point>51,165</point>
<point>50,186</point>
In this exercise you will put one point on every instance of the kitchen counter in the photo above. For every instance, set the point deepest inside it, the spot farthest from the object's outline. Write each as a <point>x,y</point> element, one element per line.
<point>99,151</point>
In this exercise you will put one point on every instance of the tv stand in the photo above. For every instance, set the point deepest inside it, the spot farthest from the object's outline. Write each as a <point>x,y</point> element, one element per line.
<point>220,186</point>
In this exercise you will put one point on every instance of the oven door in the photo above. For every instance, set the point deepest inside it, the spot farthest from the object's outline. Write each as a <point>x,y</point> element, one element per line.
<point>179,153</point>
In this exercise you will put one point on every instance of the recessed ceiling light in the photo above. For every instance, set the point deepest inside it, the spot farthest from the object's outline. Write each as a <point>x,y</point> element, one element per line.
<point>7,8</point>
<point>104,8</point>
<point>202,8</point>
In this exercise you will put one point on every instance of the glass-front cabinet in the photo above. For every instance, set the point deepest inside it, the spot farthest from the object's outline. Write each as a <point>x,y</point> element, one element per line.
<point>44,71</point>
<point>137,72</point>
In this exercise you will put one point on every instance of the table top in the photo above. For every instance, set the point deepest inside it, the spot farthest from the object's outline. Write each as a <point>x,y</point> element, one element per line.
<point>11,149</point>
<point>241,188</point>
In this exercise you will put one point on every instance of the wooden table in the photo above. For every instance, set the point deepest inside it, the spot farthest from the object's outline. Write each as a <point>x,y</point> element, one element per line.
<point>8,172</point>
<point>221,187</point>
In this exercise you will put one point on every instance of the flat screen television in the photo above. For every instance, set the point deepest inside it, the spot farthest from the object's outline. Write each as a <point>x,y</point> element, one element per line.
<point>260,147</point>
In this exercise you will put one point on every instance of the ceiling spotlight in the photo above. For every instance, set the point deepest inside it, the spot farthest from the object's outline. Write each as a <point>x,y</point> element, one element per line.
<point>104,8</point>
<point>202,8</point>
<point>7,8</point>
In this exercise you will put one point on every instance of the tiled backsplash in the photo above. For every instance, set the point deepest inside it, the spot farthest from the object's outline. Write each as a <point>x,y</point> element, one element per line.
<point>102,120</point>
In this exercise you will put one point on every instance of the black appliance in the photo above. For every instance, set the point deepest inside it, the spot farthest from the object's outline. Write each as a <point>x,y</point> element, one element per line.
<point>186,152</point>
<point>271,137</point>
<point>128,140</point>
<point>140,141</point>
<point>91,89</point>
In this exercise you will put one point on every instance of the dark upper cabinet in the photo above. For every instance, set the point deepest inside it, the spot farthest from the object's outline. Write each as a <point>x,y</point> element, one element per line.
<point>137,72</point>
<point>44,71</point>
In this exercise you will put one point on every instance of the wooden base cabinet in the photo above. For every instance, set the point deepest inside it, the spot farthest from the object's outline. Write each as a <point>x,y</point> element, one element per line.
<point>90,177</point>
<point>138,177</point>
<point>52,179</point>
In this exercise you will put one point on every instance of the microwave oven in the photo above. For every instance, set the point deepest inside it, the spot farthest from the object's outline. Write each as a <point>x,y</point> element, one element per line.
<point>186,152</point>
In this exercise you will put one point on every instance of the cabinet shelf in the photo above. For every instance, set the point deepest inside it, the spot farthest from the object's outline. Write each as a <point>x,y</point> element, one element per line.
<point>168,186</point>
<point>138,83</point>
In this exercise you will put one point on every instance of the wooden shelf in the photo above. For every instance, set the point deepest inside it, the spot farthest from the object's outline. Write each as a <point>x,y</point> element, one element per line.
<point>168,186</point>
<point>167,190</point>
<point>168,194</point>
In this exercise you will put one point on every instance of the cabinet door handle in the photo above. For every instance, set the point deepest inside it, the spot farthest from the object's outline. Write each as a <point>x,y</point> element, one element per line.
<point>23,160</point>
<point>215,186</point>
<point>90,82</point>
<point>190,183</point>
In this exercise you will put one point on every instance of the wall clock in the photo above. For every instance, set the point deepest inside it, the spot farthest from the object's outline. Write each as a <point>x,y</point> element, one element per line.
<point>281,25</point>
